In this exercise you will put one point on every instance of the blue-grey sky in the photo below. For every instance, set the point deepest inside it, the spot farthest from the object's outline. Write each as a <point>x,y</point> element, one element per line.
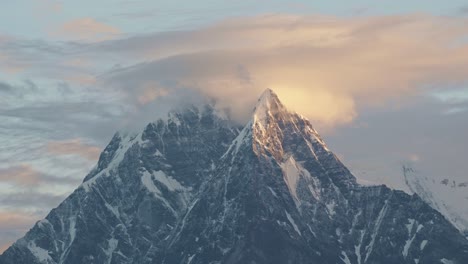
<point>384,81</point>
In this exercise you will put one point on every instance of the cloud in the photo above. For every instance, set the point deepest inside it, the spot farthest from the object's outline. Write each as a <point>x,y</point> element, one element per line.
<point>15,220</point>
<point>326,68</point>
<point>21,175</point>
<point>151,92</point>
<point>25,175</point>
<point>74,147</point>
<point>86,29</point>
<point>451,96</point>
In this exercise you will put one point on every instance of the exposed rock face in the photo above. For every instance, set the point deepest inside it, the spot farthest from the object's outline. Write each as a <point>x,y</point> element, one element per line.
<point>194,189</point>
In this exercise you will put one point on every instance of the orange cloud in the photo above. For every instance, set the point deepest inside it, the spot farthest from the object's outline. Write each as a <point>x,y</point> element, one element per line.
<point>87,29</point>
<point>15,220</point>
<point>326,68</point>
<point>74,147</point>
<point>23,175</point>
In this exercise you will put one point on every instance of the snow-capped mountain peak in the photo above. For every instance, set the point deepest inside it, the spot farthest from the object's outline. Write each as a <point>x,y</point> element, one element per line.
<point>194,189</point>
<point>268,105</point>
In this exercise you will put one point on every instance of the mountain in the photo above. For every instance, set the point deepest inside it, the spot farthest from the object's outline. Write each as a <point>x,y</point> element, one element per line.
<point>196,189</point>
<point>448,196</point>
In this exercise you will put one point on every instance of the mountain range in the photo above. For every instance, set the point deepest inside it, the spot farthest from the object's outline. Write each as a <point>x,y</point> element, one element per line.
<point>195,188</point>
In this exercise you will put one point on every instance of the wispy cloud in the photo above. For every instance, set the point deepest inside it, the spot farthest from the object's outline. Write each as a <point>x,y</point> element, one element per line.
<point>86,29</point>
<point>74,147</point>
<point>25,175</point>
<point>21,175</point>
<point>143,14</point>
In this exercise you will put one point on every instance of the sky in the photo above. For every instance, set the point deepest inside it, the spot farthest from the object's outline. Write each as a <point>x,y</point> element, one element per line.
<point>384,82</point>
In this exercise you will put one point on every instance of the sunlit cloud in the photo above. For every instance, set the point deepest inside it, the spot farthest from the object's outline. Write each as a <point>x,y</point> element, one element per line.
<point>151,92</point>
<point>74,147</point>
<point>23,175</point>
<point>327,68</point>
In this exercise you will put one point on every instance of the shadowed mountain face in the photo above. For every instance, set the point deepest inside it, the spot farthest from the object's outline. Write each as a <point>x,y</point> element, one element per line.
<point>195,189</point>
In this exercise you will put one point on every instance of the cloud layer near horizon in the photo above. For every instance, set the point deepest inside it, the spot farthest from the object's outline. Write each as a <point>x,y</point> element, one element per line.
<point>325,68</point>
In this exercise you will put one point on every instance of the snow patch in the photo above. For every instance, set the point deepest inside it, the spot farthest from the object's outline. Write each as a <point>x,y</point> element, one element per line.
<point>419,228</point>
<point>409,241</point>
<point>378,222</point>
<point>357,249</point>
<point>291,175</point>
<point>168,181</point>
<point>147,180</point>
<point>345,258</point>
<point>410,226</point>
<point>41,254</point>
<point>291,220</point>
<point>331,208</point>
<point>272,191</point>
<point>407,246</point>
<point>447,261</point>
<point>158,153</point>
<point>112,245</point>
<point>423,245</point>
<point>240,139</point>
<point>72,230</point>
<point>126,142</point>
<point>314,191</point>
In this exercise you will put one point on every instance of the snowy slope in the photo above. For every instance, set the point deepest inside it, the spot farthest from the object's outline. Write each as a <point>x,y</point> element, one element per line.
<point>450,197</point>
